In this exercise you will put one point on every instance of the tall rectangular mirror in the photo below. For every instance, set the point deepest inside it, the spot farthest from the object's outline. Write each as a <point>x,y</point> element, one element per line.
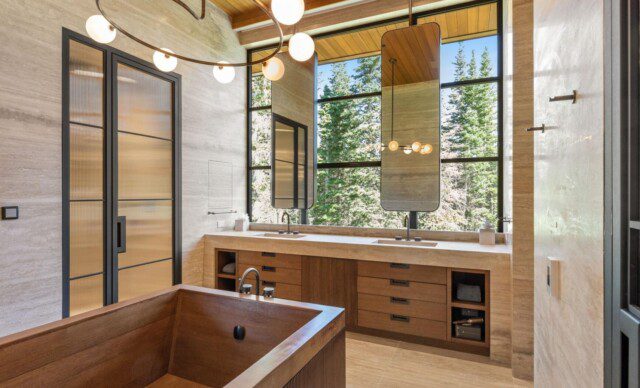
<point>289,164</point>
<point>410,172</point>
<point>293,135</point>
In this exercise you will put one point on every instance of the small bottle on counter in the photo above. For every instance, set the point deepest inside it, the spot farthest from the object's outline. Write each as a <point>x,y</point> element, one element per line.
<point>487,234</point>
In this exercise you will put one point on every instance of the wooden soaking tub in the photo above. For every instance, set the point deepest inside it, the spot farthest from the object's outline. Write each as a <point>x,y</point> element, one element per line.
<point>183,336</point>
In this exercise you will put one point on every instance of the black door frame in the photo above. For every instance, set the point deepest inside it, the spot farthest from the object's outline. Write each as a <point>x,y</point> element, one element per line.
<point>111,57</point>
<point>622,97</point>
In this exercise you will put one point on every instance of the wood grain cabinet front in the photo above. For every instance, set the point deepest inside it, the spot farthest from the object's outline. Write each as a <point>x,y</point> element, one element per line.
<point>416,273</point>
<point>403,306</point>
<point>278,260</point>
<point>403,289</point>
<point>274,274</point>
<point>403,324</point>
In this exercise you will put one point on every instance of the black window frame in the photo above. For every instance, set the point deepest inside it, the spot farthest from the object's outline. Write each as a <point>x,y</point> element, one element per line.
<point>497,80</point>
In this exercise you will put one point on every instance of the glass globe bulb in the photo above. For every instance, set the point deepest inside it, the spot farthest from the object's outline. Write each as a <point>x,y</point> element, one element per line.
<point>301,47</point>
<point>273,69</point>
<point>393,145</point>
<point>415,147</point>
<point>407,150</point>
<point>165,62</point>
<point>426,149</point>
<point>287,12</point>
<point>100,30</point>
<point>224,74</point>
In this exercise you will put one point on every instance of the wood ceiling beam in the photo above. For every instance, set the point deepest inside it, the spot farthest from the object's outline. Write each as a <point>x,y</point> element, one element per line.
<point>351,12</point>
<point>256,16</point>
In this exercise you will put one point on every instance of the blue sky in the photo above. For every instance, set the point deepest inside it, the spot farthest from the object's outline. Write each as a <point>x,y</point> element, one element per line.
<point>447,57</point>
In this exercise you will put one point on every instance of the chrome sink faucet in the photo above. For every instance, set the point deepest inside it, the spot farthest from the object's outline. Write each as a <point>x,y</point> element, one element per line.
<point>246,288</point>
<point>288,221</point>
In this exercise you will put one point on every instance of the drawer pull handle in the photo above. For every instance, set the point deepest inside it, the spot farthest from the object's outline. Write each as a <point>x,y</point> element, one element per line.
<point>400,318</point>
<point>399,266</point>
<point>268,254</point>
<point>400,283</point>
<point>266,268</point>
<point>399,300</point>
<point>268,284</point>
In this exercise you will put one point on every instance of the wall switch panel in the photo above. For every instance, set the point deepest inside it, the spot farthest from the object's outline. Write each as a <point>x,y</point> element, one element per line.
<point>10,212</point>
<point>553,277</point>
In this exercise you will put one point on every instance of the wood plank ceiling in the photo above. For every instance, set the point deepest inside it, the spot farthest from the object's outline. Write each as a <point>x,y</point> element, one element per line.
<point>468,23</point>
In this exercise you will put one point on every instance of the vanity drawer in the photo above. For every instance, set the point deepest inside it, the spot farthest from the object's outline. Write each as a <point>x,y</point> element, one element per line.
<point>284,291</point>
<point>273,274</point>
<point>417,273</point>
<point>281,260</point>
<point>403,289</point>
<point>403,324</point>
<point>403,306</point>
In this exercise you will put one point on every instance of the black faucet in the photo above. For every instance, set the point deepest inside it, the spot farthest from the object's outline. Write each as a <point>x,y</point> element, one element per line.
<point>407,225</point>
<point>288,221</point>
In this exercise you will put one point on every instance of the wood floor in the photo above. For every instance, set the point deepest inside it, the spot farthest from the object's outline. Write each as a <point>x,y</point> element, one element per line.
<point>376,362</point>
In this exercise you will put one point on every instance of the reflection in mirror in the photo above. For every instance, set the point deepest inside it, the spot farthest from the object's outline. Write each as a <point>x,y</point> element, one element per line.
<point>289,164</point>
<point>410,173</point>
<point>293,100</point>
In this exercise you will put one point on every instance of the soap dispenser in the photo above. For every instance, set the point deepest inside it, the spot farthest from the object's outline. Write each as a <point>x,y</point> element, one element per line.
<point>487,234</point>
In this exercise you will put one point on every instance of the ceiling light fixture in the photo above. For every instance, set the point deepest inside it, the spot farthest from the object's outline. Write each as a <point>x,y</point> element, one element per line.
<point>223,74</point>
<point>288,12</point>
<point>165,62</point>
<point>273,69</point>
<point>301,47</point>
<point>102,29</point>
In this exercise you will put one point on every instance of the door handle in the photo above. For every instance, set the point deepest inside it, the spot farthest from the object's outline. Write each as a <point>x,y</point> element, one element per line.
<point>400,318</point>
<point>121,234</point>
<point>399,300</point>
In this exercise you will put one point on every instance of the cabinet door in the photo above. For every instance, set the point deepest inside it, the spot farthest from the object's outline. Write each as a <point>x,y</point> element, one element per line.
<point>331,282</point>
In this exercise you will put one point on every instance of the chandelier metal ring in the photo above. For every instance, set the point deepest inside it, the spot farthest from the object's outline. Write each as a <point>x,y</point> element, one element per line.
<point>260,5</point>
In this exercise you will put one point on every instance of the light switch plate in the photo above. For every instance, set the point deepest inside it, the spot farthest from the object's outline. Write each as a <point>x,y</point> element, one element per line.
<point>553,276</point>
<point>10,212</point>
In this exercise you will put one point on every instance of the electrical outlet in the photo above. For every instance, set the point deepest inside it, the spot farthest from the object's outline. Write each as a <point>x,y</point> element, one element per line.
<point>553,277</point>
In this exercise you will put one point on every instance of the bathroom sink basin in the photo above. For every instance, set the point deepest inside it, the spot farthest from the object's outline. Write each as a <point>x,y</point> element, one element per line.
<point>283,235</point>
<point>389,241</point>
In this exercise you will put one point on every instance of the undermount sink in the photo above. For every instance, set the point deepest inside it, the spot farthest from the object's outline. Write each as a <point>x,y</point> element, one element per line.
<point>283,235</point>
<point>405,242</point>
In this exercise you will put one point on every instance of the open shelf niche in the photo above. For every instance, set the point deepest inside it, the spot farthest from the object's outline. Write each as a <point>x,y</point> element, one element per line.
<point>226,280</point>
<point>469,299</point>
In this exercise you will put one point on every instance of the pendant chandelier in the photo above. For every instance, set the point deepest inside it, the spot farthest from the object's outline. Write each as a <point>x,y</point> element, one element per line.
<point>103,29</point>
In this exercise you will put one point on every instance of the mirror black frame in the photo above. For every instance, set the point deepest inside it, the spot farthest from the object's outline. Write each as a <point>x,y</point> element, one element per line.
<point>276,118</point>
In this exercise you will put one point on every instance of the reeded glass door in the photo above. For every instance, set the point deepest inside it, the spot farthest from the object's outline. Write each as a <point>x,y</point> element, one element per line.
<point>121,194</point>
<point>144,192</point>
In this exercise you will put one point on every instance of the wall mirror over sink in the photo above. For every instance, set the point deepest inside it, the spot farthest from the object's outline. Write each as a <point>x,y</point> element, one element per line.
<point>410,172</point>
<point>293,135</point>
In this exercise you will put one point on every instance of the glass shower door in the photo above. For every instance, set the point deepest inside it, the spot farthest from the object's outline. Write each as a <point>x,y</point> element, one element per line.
<point>144,187</point>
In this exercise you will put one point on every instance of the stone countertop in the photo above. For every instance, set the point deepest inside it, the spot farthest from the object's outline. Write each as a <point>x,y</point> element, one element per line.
<point>445,253</point>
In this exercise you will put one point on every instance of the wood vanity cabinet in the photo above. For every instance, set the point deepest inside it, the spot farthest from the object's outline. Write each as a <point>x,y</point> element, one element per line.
<point>403,298</point>
<point>404,301</point>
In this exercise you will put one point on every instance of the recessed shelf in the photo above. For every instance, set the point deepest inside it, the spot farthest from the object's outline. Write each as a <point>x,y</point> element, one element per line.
<point>226,276</point>
<point>468,305</point>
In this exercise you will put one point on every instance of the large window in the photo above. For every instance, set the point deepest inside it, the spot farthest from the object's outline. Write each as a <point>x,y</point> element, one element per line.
<point>348,126</point>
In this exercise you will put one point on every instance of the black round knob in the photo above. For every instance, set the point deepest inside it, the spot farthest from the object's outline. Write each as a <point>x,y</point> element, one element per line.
<point>239,332</point>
